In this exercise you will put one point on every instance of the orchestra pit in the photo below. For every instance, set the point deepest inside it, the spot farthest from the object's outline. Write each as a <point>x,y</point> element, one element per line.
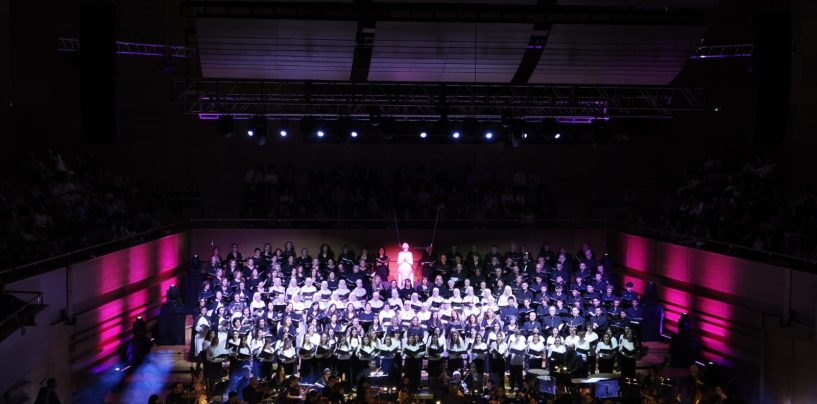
<point>408,201</point>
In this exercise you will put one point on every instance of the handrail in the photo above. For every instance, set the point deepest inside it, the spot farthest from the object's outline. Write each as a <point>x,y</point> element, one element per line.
<point>6,272</point>
<point>638,228</point>
<point>37,298</point>
<point>200,221</point>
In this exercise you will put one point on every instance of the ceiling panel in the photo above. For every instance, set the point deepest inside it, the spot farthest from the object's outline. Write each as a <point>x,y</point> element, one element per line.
<point>524,2</point>
<point>448,52</point>
<point>642,3</point>
<point>615,54</point>
<point>276,49</point>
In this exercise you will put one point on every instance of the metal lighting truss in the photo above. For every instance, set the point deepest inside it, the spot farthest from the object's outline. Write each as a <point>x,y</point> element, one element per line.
<point>132,48</point>
<point>723,51</point>
<point>428,101</point>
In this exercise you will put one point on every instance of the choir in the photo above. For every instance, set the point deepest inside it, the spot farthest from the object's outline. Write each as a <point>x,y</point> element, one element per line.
<point>468,315</point>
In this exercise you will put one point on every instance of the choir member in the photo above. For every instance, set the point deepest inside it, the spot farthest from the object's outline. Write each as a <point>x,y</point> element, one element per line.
<point>518,350</point>
<point>436,349</point>
<point>605,352</point>
<point>287,355</point>
<point>343,355</point>
<point>537,351</point>
<point>556,353</point>
<point>457,350</point>
<point>498,354</point>
<point>628,352</point>
<point>414,351</point>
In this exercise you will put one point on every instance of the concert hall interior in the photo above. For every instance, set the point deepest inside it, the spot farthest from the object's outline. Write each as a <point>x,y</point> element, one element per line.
<point>408,201</point>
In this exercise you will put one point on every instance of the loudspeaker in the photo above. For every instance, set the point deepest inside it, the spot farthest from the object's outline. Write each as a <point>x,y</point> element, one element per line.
<point>772,65</point>
<point>98,71</point>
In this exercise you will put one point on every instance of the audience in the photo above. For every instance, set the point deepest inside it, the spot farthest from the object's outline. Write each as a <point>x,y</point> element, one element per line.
<point>372,192</point>
<point>741,201</point>
<point>62,201</point>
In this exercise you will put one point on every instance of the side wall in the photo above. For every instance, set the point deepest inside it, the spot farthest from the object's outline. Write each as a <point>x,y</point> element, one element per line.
<point>103,296</point>
<point>733,303</point>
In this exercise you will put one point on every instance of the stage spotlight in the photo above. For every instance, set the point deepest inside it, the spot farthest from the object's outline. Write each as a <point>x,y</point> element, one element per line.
<point>320,133</point>
<point>257,126</point>
<point>283,128</point>
<point>489,135</point>
<point>455,135</point>
<point>423,135</point>
<point>525,135</point>
<point>225,126</point>
<point>557,136</point>
<point>353,134</point>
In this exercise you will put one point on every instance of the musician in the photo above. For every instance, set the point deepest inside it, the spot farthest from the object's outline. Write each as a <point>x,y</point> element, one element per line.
<point>253,393</point>
<point>367,373</point>
<point>293,393</point>
<point>427,262</point>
